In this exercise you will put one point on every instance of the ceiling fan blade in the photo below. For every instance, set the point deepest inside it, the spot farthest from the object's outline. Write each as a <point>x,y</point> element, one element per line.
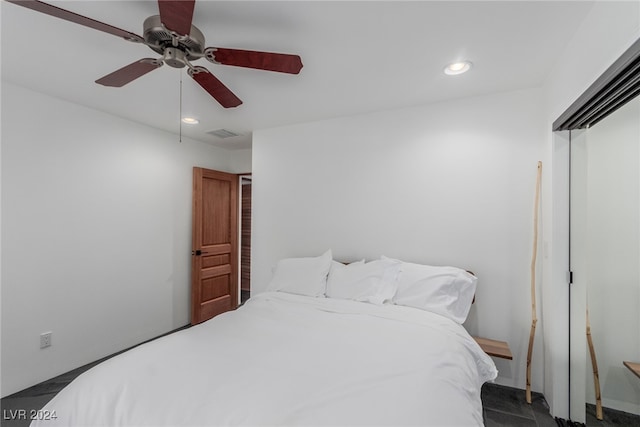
<point>78,19</point>
<point>280,62</point>
<point>215,87</point>
<point>177,15</point>
<point>130,72</point>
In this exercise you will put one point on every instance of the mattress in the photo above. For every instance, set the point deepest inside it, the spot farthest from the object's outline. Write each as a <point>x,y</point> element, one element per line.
<point>284,359</point>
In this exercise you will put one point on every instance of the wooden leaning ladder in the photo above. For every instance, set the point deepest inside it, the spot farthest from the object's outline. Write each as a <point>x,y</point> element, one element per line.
<point>534,316</point>
<point>594,365</point>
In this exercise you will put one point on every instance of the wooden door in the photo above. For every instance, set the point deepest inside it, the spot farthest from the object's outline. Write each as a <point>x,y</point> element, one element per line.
<point>214,260</point>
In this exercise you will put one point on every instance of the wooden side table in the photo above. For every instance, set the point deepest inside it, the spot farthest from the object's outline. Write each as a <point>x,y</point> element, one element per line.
<point>635,367</point>
<point>495,348</point>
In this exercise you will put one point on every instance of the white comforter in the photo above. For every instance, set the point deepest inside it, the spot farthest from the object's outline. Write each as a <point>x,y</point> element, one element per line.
<point>283,359</point>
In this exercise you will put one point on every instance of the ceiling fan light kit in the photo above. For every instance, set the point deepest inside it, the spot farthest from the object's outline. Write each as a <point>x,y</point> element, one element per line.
<point>172,35</point>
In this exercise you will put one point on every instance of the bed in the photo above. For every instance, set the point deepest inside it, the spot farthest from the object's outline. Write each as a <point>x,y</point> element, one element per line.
<point>289,357</point>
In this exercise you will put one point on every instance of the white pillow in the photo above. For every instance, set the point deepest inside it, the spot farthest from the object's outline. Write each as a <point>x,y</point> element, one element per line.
<point>448,291</point>
<point>374,282</point>
<point>302,276</point>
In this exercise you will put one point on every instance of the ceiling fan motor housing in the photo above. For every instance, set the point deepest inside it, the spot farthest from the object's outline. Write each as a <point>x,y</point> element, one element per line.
<point>161,40</point>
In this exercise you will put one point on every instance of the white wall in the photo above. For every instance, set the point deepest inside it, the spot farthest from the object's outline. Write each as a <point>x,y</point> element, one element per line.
<point>450,183</point>
<point>609,29</point>
<point>96,233</point>
<point>240,161</point>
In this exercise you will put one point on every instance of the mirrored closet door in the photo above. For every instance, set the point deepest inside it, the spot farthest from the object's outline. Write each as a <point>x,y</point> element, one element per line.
<point>605,261</point>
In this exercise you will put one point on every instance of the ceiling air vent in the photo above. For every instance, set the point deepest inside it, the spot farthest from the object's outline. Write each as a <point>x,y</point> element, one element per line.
<point>223,133</point>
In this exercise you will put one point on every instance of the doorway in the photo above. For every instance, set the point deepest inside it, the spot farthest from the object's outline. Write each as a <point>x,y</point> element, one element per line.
<point>214,256</point>
<point>245,238</point>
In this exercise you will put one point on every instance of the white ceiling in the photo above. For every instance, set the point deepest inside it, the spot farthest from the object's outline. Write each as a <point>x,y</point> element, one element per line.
<point>358,56</point>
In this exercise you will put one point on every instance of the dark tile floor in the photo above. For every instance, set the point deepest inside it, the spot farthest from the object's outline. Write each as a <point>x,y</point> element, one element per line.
<point>507,406</point>
<point>244,296</point>
<point>611,417</point>
<point>503,406</point>
<point>15,410</point>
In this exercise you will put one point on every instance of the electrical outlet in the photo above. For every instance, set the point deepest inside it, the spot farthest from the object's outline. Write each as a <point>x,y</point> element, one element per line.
<point>45,339</point>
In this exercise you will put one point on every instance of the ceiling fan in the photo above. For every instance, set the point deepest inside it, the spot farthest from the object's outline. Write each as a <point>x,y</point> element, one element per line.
<point>172,35</point>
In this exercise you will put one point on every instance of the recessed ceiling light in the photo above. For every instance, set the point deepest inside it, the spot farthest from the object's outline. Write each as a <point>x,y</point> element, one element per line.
<point>457,68</point>
<point>190,120</point>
